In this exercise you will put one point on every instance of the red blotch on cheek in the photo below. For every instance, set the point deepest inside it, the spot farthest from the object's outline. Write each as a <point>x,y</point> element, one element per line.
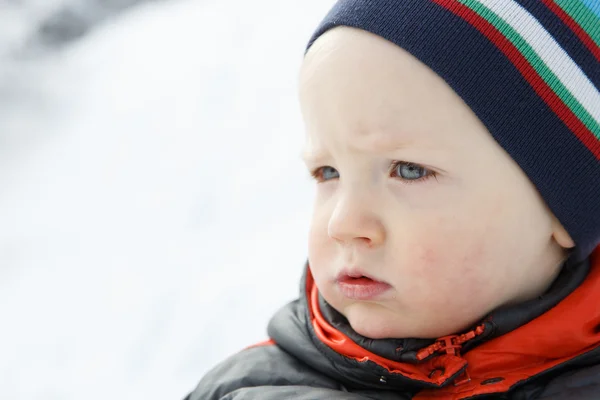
<point>428,257</point>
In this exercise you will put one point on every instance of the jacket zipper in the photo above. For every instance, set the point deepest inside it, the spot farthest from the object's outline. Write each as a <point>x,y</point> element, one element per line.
<point>452,345</point>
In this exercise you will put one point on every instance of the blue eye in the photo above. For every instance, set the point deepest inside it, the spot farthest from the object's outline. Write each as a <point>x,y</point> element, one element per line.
<point>409,171</point>
<point>326,173</point>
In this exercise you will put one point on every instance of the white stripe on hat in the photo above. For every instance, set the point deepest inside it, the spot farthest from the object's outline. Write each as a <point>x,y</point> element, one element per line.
<point>553,55</point>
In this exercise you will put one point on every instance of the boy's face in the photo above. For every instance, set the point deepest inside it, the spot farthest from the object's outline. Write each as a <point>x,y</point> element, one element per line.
<point>414,193</point>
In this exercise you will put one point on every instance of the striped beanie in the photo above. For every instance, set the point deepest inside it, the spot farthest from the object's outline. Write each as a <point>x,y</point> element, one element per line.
<point>529,69</point>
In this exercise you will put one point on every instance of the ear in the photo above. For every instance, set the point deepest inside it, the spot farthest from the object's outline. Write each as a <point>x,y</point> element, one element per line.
<point>561,236</point>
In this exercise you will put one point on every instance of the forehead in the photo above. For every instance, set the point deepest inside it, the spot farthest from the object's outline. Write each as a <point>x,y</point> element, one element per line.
<point>359,85</point>
<point>347,70</point>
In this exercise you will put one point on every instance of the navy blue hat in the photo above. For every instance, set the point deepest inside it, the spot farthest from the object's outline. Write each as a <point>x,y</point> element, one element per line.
<point>529,69</point>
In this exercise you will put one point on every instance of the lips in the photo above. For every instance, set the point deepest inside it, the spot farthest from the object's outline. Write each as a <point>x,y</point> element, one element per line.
<point>356,285</point>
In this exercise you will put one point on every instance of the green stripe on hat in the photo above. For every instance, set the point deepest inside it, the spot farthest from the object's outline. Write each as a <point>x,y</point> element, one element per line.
<point>584,91</point>
<point>583,16</point>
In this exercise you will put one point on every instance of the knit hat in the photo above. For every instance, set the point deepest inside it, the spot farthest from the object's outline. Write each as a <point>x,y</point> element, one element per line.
<point>529,69</point>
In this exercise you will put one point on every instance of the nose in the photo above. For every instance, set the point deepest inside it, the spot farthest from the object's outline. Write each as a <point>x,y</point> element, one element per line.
<point>355,220</point>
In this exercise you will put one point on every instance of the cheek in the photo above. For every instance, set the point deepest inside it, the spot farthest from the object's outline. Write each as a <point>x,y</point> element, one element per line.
<point>446,264</point>
<point>319,244</point>
<point>316,243</point>
<point>321,257</point>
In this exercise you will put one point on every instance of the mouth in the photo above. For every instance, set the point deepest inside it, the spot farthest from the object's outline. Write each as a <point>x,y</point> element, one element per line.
<point>356,285</point>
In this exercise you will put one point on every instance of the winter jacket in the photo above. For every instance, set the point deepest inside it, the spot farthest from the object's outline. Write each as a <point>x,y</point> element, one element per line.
<point>547,349</point>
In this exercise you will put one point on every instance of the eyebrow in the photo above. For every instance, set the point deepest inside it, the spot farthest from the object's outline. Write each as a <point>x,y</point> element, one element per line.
<point>386,140</point>
<point>312,155</point>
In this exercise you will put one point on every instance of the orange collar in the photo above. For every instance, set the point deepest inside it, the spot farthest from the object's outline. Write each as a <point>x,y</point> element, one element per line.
<point>564,332</point>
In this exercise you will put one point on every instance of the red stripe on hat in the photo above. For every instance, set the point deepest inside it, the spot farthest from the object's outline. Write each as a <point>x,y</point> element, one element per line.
<point>527,71</point>
<point>585,38</point>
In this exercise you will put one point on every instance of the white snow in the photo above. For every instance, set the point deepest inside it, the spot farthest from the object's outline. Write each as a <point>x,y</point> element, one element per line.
<point>153,205</point>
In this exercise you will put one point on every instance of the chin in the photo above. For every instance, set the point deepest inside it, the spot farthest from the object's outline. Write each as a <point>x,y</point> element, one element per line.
<point>382,329</point>
<point>372,323</point>
<point>376,322</point>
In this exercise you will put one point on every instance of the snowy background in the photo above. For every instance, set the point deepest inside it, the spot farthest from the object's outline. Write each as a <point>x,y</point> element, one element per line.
<point>153,205</point>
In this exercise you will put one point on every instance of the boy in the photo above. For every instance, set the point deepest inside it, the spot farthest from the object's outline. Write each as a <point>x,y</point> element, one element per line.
<point>454,246</point>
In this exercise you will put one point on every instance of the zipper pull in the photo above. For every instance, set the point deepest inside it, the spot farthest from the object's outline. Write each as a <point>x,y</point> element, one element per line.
<point>448,344</point>
<point>451,344</point>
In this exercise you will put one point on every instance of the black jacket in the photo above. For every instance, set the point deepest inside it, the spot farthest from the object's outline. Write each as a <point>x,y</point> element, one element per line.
<point>546,349</point>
